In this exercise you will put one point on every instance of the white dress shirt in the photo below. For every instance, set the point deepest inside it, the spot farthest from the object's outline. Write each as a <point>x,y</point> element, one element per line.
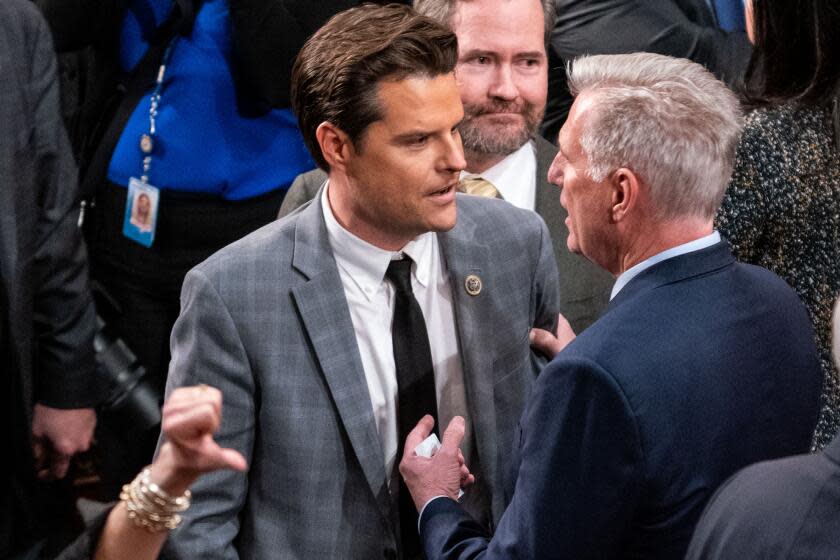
<point>515,177</point>
<point>370,298</point>
<point>632,272</point>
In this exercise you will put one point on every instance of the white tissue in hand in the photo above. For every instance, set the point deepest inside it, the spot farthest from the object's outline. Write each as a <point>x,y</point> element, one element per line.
<point>429,447</point>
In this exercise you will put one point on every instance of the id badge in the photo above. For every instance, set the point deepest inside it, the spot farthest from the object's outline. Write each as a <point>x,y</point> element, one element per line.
<point>141,209</point>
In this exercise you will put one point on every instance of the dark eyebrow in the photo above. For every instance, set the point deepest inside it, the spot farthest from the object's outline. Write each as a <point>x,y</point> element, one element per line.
<point>531,54</point>
<point>412,134</point>
<point>472,53</point>
<point>405,136</point>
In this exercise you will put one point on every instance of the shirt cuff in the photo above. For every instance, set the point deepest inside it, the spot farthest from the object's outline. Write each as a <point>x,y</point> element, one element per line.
<point>429,501</point>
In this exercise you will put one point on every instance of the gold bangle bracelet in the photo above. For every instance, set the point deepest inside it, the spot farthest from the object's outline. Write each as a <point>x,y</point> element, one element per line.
<point>150,507</point>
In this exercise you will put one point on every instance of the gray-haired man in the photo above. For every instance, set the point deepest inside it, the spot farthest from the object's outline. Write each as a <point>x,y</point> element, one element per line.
<point>700,366</point>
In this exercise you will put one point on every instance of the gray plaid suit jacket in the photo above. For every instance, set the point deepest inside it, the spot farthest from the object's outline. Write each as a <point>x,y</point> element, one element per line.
<point>266,321</point>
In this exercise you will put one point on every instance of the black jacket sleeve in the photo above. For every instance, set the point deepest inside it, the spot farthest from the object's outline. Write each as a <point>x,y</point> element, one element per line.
<point>680,28</point>
<point>63,317</point>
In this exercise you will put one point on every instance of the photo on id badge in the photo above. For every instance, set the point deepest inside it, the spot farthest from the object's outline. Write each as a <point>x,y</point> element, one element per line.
<point>141,208</point>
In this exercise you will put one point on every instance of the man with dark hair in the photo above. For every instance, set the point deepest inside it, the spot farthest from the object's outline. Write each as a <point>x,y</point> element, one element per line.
<point>332,331</point>
<point>501,74</point>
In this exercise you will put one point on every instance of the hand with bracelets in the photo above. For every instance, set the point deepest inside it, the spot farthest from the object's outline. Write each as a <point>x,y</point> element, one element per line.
<point>152,504</point>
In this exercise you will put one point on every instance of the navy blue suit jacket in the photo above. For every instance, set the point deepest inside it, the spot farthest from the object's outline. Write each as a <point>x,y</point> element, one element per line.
<point>700,366</point>
<point>776,510</point>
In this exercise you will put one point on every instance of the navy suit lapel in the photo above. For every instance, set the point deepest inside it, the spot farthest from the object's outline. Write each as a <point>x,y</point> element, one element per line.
<point>326,318</point>
<point>475,323</point>
<point>675,269</point>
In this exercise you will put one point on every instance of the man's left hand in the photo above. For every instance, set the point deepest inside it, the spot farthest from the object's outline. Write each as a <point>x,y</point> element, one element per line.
<point>550,343</point>
<point>443,474</point>
<point>57,435</point>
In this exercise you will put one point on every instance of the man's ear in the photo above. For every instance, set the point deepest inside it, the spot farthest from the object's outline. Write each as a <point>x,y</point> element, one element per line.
<point>335,145</point>
<point>625,189</point>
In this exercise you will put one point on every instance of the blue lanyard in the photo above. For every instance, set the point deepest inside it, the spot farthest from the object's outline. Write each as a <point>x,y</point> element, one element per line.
<point>147,140</point>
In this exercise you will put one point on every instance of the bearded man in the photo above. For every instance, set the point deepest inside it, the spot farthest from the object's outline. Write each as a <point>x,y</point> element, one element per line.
<point>502,74</point>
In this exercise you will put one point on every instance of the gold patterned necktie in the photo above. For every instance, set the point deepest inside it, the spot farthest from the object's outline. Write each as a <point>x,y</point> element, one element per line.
<point>479,186</point>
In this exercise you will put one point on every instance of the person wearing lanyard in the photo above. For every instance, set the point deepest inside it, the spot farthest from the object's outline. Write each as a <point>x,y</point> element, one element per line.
<point>201,167</point>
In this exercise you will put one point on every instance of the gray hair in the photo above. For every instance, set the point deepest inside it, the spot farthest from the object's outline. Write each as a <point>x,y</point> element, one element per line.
<point>667,119</point>
<point>443,10</point>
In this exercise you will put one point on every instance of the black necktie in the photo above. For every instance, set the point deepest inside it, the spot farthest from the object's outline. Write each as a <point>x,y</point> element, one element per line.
<point>415,383</point>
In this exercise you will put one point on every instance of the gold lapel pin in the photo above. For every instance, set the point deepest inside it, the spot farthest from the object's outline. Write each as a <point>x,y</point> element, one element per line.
<point>473,285</point>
